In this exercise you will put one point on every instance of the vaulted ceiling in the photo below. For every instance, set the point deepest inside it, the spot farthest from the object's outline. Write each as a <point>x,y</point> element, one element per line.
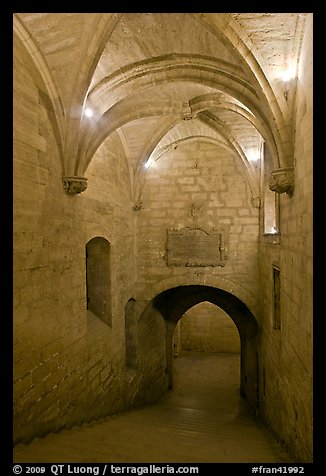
<point>161,79</point>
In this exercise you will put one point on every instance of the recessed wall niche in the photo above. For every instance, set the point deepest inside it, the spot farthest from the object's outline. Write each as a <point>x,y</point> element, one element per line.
<point>98,279</point>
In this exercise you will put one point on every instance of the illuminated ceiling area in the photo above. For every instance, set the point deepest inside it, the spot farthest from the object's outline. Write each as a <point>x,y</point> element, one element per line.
<point>164,79</point>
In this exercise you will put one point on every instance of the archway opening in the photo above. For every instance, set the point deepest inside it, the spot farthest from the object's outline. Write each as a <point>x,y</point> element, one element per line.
<point>206,328</point>
<point>174,303</point>
<point>206,361</point>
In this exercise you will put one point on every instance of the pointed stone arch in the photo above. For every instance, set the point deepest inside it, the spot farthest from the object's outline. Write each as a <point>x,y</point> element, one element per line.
<point>223,26</point>
<point>174,302</point>
<point>146,74</point>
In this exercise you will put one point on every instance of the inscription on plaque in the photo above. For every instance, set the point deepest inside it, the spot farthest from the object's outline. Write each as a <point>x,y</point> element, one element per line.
<point>195,247</point>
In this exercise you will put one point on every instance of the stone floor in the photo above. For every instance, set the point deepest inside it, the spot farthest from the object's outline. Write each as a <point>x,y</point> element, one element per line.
<point>202,419</point>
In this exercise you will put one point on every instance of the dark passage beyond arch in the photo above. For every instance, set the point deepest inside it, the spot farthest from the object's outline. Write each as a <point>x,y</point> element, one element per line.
<point>173,303</point>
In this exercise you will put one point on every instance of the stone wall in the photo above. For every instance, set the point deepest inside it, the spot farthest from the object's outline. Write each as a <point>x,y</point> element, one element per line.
<point>69,366</point>
<point>286,354</point>
<point>207,328</point>
<point>198,185</point>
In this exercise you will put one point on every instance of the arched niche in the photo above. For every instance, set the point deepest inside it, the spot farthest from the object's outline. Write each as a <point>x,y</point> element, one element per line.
<point>98,278</point>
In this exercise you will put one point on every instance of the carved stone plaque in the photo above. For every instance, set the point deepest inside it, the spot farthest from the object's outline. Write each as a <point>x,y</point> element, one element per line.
<point>195,247</point>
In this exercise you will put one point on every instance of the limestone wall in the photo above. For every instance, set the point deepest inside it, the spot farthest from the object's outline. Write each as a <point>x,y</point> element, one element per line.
<point>207,328</point>
<point>69,366</point>
<point>286,354</point>
<point>197,185</point>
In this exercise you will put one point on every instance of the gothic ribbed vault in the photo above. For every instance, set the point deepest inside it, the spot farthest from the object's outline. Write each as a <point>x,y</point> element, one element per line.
<point>139,77</point>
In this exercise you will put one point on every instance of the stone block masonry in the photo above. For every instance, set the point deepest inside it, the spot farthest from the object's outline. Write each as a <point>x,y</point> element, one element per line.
<point>221,188</point>
<point>206,328</point>
<point>69,367</point>
<point>286,400</point>
<point>72,365</point>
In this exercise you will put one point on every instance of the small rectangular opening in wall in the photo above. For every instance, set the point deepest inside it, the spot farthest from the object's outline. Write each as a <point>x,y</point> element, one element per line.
<point>276,298</point>
<point>98,279</point>
<point>271,203</point>
<point>271,213</point>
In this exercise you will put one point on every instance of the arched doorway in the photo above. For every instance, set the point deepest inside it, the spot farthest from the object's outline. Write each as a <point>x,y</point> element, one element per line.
<point>205,327</point>
<point>173,303</point>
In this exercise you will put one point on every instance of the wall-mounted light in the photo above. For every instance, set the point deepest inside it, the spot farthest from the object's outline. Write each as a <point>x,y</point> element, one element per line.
<point>253,155</point>
<point>287,76</point>
<point>88,112</point>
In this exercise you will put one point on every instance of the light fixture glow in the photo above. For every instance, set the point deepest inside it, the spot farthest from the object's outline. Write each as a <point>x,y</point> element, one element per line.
<point>148,163</point>
<point>253,155</point>
<point>88,112</point>
<point>288,74</point>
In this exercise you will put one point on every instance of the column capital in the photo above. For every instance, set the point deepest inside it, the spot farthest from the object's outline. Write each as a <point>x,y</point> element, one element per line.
<point>137,206</point>
<point>74,185</point>
<point>282,180</point>
<point>187,113</point>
